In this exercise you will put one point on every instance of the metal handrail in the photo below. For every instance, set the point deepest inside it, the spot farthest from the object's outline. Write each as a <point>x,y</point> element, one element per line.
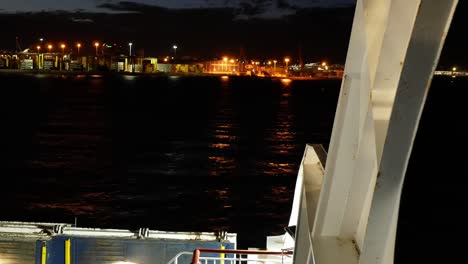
<point>175,259</point>
<point>206,260</point>
<point>240,253</point>
<point>196,254</point>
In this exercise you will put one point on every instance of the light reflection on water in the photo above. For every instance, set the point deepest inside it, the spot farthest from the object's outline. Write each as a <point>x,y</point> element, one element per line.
<point>286,82</point>
<point>220,145</point>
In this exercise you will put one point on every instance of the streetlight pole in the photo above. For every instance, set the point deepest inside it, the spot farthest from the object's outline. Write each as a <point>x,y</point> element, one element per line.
<point>49,47</point>
<point>78,46</point>
<point>96,45</point>
<point>286,60</point>
<point>63,54</point>
<point>42,45</point>
<point>175,51</point>
<point>130,56</point>
<point>38,57</point>
<point>274,65</point>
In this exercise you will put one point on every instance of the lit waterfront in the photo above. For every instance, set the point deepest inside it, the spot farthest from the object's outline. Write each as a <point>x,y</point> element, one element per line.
<point>44,56</point>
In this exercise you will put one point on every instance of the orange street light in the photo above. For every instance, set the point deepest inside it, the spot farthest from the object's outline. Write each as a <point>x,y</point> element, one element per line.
<point>78,46</point>
<point>287,61</point>
<point>38,48</point>
<point>63,48</point>
<point>96,44</point>
<point>49,47</point>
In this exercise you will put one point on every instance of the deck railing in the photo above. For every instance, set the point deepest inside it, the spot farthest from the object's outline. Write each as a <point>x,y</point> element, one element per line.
<point>239,256</point>
<point>284,256</point>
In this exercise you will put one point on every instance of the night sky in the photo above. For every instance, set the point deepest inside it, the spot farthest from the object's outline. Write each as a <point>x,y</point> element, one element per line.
<point>263,29</point>
<point>100,5</point>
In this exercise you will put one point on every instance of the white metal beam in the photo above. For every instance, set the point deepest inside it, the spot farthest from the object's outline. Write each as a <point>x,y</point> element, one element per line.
<point>431,27</point>
<point>394,49</point>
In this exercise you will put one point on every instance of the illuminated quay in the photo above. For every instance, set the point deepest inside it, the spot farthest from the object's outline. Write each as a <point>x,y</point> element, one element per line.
<point>103,57</point>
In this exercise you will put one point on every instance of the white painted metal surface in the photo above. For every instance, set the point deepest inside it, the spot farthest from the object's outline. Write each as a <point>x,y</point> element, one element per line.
<point>24,229</point>
<point>349,215</point>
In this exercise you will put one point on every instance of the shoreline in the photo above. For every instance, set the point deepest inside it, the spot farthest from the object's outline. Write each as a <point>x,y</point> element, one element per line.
<point>111,73</point>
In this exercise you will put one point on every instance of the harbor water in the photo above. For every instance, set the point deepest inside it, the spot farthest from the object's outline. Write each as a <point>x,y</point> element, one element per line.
<point>188,153</point>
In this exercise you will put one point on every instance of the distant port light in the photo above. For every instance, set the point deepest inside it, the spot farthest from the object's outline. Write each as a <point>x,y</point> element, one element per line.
<point>454,68</point>
<point>96,44</point>
<point>286,60</point>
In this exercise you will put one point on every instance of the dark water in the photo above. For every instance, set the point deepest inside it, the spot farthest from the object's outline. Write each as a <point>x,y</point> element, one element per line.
<point>432,221</point>
<point>169,153</point>
<point>205,154</point>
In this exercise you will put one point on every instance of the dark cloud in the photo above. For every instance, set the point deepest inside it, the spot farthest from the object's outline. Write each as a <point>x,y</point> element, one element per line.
<point>283,4</point>
<point>82,20</point>
<point>243,8</point>
<point>93,5</point>
<point>250,8</point>
<point>129,6</point>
